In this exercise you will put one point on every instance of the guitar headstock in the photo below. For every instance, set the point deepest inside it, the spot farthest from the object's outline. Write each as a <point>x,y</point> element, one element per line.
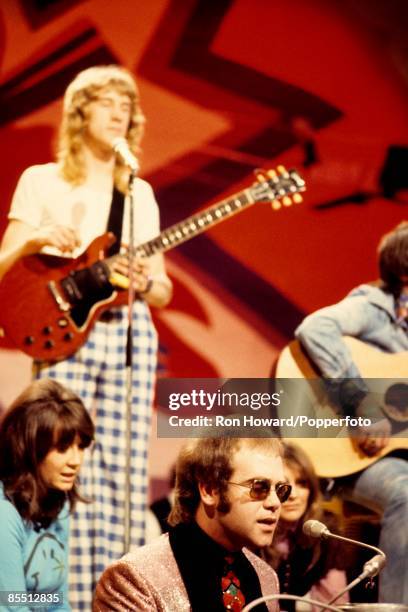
<point>280,187</point>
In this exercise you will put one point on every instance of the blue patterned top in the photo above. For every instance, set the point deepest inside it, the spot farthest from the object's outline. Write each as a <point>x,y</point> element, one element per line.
<point>33,562</point>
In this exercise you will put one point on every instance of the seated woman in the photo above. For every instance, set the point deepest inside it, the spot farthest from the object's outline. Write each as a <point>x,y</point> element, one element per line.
<point>304,565</point>
<point>42,440</point>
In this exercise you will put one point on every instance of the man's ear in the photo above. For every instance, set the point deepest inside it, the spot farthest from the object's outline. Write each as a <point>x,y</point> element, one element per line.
<point>209,495</point>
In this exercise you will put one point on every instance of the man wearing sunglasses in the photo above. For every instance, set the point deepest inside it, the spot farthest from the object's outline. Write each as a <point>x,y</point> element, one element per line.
<point>227,501</point>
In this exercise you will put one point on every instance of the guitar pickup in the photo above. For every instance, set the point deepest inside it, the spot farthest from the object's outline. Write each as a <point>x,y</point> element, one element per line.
<point>88,284</point>
<point>71,289</point>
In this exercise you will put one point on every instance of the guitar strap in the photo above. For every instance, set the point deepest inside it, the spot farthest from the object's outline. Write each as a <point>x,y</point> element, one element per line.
<point>115,220</point>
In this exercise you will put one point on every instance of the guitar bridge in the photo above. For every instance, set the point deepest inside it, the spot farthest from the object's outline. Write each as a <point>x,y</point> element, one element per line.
<point>63,305</point>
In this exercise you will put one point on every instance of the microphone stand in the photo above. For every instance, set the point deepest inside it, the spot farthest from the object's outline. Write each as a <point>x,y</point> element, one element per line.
<point>328,534</point>
<point>129,363</point>
<point>371,568</point>
<point>278,597</point>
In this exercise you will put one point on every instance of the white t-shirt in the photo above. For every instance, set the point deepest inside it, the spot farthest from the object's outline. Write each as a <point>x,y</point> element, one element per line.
<point>42,197</point>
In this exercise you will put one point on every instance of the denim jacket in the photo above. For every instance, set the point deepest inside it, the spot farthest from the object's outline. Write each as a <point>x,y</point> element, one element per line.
<point>367,313</point>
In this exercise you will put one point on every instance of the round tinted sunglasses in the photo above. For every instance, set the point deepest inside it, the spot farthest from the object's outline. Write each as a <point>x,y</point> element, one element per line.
<point>260,488</point>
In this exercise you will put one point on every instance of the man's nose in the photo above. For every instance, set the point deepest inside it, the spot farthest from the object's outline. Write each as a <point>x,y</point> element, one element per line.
<point>272,500</point>
<point>117,112</point>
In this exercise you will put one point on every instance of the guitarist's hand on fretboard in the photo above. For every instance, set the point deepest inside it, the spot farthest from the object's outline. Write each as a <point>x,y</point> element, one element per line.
<point>141,271</point>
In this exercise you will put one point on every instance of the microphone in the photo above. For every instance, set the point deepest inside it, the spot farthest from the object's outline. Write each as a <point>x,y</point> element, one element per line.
<point>316,529</point>
<point>371,568</point>
<point>121,148</point>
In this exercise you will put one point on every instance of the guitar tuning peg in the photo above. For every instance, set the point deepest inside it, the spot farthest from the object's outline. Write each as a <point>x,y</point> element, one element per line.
<point>282,170</point>
<point>287,201</point>
<point>276,205</point>
<point>297,198</point>
<point>260,174</point>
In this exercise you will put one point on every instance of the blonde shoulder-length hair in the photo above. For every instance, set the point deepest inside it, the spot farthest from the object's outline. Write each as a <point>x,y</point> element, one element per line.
<point>79,93</point>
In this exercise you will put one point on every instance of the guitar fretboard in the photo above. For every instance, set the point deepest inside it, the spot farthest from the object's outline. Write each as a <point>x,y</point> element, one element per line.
<point>196,224</point>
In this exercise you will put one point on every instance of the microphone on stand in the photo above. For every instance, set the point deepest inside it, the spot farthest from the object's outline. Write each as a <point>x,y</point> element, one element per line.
<point>121,148</point>
<point>371,568</point>
<point>316,529</point>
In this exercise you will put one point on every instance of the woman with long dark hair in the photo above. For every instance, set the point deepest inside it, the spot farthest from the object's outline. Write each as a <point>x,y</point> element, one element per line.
<point>42,440</point>
<point>304,565</point>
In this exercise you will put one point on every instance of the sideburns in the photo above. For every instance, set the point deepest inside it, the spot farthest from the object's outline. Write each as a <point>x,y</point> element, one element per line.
<point>224,505</point>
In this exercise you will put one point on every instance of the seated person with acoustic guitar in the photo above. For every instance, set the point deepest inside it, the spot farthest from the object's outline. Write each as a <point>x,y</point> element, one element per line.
<point>305,566</point>
<point>377,315</point>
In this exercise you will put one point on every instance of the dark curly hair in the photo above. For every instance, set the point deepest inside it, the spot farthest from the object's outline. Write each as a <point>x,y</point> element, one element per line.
<point>393,257</point>
<point>45,416</point>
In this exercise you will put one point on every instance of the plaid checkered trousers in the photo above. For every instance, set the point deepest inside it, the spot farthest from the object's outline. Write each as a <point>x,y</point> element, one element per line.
<point>97,373</point>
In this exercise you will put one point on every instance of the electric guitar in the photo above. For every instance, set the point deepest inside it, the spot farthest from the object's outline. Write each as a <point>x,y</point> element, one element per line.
<point>37,314</point>
<point>333,457</point>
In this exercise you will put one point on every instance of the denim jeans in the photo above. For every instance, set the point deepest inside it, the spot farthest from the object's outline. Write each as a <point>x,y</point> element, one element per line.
<point>383,487</point>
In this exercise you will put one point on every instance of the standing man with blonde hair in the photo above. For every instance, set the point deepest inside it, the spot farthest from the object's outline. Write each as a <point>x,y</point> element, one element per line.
<point>59,208</point>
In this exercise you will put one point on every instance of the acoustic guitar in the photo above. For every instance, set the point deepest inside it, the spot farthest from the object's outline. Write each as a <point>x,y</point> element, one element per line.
<point>333,457</point>
<point>37,313</point>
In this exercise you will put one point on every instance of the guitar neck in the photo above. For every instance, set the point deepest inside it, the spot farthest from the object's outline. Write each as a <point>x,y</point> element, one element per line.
<point>271,186</point>
<point>196,224</point>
